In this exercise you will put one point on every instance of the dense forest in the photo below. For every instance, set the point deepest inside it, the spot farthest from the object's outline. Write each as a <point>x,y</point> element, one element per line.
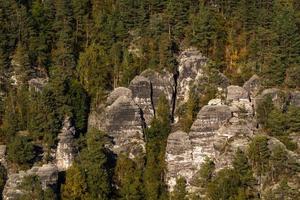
<point>83,49</point>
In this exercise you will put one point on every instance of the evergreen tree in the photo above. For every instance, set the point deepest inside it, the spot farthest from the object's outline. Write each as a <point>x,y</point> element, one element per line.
<point>129,178</point>
<point>3,177</point>
<point>179,192</point>
<point>21,64</point>
<point>93,161</point>
<point>20,151</point>
<point>75,186</point>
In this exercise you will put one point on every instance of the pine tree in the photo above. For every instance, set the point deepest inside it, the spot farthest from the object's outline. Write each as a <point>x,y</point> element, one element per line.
<point>129,178</point>
<point>75,186</point>
<point>179,192</point>
<point>21,64</point>
<point>93,161</point>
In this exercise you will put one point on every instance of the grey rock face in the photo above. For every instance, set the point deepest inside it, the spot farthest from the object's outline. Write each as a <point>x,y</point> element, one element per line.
<point>37,84</point>
<point>65,152</point>
<point>116,93</point>
<point>218,131</point>
<point>253,85</point>
<point>191,64</point>
<point>47,173</point>
<point>203,130</point>
<point>295,98</point>
<point>141,94</point>
<point>278,97</point>
<point>236,93</point>
<point>125,125</point>
<point>3,155</point>
<point>239,101</point>
<point>121,118</point>
<point>147,89</point>
<point>179,157</point>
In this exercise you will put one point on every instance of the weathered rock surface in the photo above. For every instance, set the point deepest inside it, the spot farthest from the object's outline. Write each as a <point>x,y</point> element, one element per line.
<point>122,119</point>
<point>295,98</point>
<point>141,94</point>
<point>179,157</point>
<point>3,155</point>
<point>278,97</point>
<point>209,120</point>
<point>219,130</point>
<point>191,64</point>
<point>48,175</point>
<point>239,101</point>
<point>65,152</point>
<point>37,84</point>
<point>253,85</point>
<point>125,125</point>
<point>147,89</point>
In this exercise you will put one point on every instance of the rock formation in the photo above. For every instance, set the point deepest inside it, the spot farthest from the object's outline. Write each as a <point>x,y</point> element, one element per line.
<point>48,175</point>
<point>191,64</point>
<point>147,89</point>
<point>122,120</point>
<point>253,85</point>
<point>65,152</point>
<point>179,157</point>
<point>218,131</point>
<point>3,155</point>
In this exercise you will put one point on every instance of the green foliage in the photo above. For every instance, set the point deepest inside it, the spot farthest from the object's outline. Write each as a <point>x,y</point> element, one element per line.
<point>205,174</point>
<point>3,178</point>
<point>224,185</point>
<point>156,138</point>
<point>20,151</point>
<point>89,177</point>
<point>129,178</point>
<point>179,192</point>
<point>259,154</point>
<point>75,186</point>
<point>32,188</point>
<point>263,109</point>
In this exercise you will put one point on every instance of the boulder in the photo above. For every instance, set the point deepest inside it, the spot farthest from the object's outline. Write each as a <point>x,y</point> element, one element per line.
<point>116,93</point>
<point>236,93</point>
<point>65,152</point>
<point>178,158</point>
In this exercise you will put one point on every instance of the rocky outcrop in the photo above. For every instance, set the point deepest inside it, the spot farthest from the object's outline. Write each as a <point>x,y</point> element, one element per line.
<point>179,157</point>
<point>278,97</point>
<point>203,130</point>
<point>122,120</point>
<point>219,130</point>
<point>295,98</point>
<point>147,89</point>
<point>191,64</point>
<point>65,152</point>
<point>3,155</point>
<point>253,85</point>
<point>48,176</point>
<point>239,101</point>
<point>124,124</point>
<point>37,84</point>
